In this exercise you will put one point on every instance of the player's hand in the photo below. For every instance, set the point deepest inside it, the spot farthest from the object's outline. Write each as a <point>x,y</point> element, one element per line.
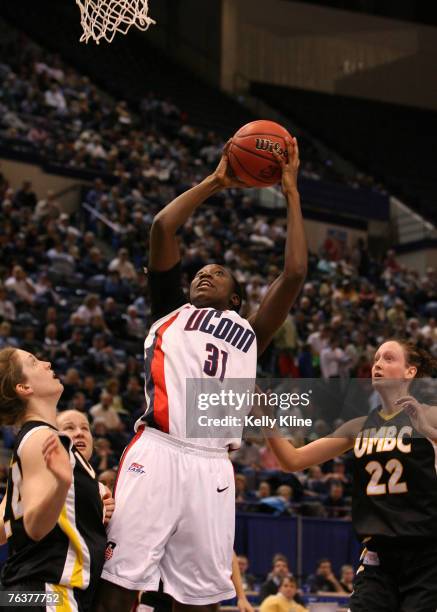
<point>243,605</point>
<point>417,413</point>
<point>289,166</point>
<point>108,506</point>
<point>57,460</point>
<point>223,175</point>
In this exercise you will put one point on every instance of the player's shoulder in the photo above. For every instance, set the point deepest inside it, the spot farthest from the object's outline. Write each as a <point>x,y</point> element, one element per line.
<point>32,436</point>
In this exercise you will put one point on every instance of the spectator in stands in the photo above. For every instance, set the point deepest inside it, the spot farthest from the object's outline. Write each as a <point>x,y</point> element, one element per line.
<point>285,493</point>
<point>123,266</point>
<point>247,579</point>
<point>117,288</point>
<point>242,493</point>
<point>48,207</point>
<point>89,308</point>
<point>101,359</point>
<point>133,397</point>
<point>51,343</point>
<point>347,578</point>
<point>324,580</point>
<point>105,412</point>
<point>335,501</point>
<point>264,490</point>
<point>284,600</point>
<point>315,483</point>
<point>104,458</point>
<point>25,196</point>
<point>71,382</point>
<point>339,474</point>
<point>6,338</point>
<point>135,327</point>
<point>78,402</point>
<point>75,347</point>
<point>21,285</point>
<point>279,571</point>
<point>90,389</point>
<point>7,308</point>
<point>54,98</point>
<point>108,478</point>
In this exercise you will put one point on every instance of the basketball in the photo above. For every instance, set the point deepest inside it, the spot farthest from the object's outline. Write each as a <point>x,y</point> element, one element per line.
<point>251,152</point>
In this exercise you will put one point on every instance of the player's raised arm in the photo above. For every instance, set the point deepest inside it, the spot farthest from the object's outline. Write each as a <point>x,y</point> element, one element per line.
<point>293,459</point>
<point>164,246</point>
<point>283,292</point>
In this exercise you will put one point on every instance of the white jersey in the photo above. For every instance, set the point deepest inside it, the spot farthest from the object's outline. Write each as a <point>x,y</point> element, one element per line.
<point>194,343</point>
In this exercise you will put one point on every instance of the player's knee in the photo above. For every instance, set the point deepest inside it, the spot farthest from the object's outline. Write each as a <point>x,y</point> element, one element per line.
<point>114,598</point>
<point>179,607</point>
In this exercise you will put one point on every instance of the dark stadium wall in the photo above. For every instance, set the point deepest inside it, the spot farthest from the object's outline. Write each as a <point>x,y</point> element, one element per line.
<point>408,80</point>
<point>331,51</point>
<point>190,33</point>
<point>42,181</point>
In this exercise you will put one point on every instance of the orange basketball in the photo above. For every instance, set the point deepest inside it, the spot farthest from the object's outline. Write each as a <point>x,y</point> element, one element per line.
<point>250,153</point>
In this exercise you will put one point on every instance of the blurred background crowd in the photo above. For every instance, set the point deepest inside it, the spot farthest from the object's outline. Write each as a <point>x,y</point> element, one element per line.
<point>73,286</point>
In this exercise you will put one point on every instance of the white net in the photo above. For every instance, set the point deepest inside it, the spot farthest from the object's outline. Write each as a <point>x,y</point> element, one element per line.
<point>104,18</point>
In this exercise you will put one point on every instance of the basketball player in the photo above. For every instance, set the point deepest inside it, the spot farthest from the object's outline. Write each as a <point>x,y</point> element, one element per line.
<point>175,502</point>
<point>394,499</point>
<point>75,425</point>
<point>52,512</point>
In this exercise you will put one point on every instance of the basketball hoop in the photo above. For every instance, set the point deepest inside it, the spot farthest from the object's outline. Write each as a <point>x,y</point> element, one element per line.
<point>104,18</point>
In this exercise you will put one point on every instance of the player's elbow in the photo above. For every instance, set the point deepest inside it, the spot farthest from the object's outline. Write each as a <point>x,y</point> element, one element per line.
<point>35,531</point>
<point>160,224</point>
<point>288,468</point>
<point>294,276</point>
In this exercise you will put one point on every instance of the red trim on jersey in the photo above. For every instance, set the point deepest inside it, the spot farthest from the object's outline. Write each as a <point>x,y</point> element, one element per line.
<point>160,403</point>
<point>136,437</point>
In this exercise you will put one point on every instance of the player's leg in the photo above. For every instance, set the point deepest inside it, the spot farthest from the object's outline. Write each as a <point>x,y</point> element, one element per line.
<point>178,607</point>
<point>418,580</point>
<point>114,598</point>
<point>141,524</point>
<point>197,566</point>
<point>375,584</point>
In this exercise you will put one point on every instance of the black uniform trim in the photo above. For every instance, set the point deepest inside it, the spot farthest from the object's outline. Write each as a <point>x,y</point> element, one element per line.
<point>165,289</point>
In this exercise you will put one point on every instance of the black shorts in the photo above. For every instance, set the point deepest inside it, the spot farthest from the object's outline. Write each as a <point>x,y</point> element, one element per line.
<point>404,581</point>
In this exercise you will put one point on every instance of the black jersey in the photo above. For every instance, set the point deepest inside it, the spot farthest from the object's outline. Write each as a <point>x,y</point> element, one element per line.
<point>72,554</point>
<point>395,480</point>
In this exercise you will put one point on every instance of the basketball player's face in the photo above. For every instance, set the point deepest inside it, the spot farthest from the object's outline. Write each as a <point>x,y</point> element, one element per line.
<point>212,287</point>
<point>40,380</point>
<point>390,364</point>
<point>75,425</point>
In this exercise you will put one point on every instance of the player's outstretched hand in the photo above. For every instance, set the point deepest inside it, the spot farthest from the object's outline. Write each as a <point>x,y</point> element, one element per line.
<point>223,175</point>
<point>289,165</point>
<point>108,506</point>
<point>57,460</point>
<point>243,605</point>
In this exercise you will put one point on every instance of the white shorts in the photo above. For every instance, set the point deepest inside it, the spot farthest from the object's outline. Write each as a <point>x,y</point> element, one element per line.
<point>174,519</point>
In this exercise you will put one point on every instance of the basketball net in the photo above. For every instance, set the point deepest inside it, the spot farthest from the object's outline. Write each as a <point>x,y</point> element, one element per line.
<point>104,18</point>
